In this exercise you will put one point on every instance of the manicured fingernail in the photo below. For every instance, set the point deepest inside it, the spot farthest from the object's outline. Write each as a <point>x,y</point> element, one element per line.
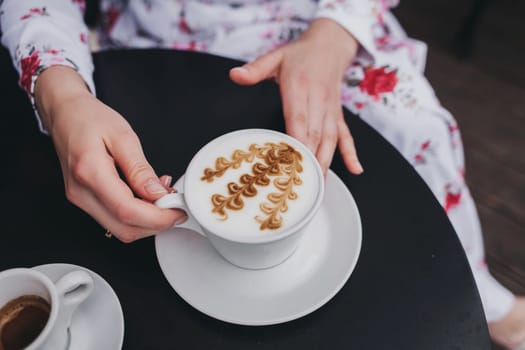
<point>359,168</point>
<point>240,69</point>
<point>166,180</point>
<point>181,220</point>
<point>153,186</point>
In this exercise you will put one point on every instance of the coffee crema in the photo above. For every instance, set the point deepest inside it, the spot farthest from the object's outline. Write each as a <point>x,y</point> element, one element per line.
<point>22,320</point>
<point>279,160</point>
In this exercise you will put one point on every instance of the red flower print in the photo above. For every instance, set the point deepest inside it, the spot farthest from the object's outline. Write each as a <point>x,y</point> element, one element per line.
<point>419,158</point>
<point>482,264</point>
<point>268,34</point>
<point>83,37</point>
<point>380,19</point>
<point>359,105</point>
<point>452,128</point>
<point>34,11</point>
<point>378,81</point>
<point>191,46</point>
<point>183,26</point>
<point>452,200</point>
<point>52,51</point>
<point>29,66</point>
<point>113,14</point>
<point>382,40</point>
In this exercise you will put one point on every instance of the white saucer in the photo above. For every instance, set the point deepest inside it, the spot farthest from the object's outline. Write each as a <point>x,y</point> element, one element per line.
<point>98,323</point>
<point>318,269</point>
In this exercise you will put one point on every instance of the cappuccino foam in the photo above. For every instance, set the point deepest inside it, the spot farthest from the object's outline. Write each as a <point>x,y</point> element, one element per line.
<point>252,183</point>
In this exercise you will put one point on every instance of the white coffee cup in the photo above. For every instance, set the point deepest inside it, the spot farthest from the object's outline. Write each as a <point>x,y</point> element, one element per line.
<point>251,251</point>
<point>63,296</point>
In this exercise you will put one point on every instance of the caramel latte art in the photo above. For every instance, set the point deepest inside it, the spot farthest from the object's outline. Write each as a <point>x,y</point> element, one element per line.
<point>253,183</point>
<point>278,161</point>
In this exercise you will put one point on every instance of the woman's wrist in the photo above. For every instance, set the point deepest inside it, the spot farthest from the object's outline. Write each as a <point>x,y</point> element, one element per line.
<point>54,87</point>
<point>334,37</point>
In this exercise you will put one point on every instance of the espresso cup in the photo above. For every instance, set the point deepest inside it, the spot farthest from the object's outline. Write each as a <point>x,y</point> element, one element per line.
<point>24,294</point>
<point>251,193</point>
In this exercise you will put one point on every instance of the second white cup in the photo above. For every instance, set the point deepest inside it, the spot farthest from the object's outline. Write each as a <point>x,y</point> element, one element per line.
<point>63,298</point>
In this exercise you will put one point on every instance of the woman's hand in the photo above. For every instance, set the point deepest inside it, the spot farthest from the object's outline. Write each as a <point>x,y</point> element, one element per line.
<point>91,141</point>
<point>309,72</point>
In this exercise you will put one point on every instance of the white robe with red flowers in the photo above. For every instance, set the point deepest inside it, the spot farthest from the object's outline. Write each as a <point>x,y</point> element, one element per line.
<point>385,85</point>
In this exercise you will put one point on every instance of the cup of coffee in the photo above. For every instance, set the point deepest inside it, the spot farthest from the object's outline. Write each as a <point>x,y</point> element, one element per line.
<point>251,193</point>
<point>35,312</point>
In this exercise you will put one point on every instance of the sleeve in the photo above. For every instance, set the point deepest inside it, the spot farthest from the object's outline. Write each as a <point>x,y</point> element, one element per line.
<point>44,33</point>
<point>359,17</point>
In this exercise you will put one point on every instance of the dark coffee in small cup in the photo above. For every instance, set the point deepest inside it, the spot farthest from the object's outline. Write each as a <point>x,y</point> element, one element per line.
<point>21,321</point>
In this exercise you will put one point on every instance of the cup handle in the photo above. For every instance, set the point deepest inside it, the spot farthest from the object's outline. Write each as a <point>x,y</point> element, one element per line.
<point>72,289</point>
<point>176,201</point>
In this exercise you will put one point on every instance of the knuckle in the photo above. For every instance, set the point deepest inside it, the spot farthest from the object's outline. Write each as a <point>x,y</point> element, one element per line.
<point>341,123</point>
<point>128,237</point>
<point>137,169</point>
<point>331,137</point>
<point>326,93</point>
<point>349,139</point>
<point>255,67</point>
<point>315,135</point>
<point>82,169</point>
<point>345,134</point>
<point>337,93</point>
<point>125,132</point>
<point>122,128</point>
<point>302,80</point>
<point>124,214</point>
<point>299,118</point>
<point>72,194</point>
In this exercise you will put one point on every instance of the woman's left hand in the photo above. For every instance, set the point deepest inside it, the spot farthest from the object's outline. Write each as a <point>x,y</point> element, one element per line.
<point>309,72</point>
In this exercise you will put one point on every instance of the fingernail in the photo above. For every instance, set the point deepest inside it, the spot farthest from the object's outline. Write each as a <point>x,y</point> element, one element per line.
<point>166,180</point>
<point>240,69</point>
<point>360,168</point>
<point>181,220</point>
<point>153,186</point>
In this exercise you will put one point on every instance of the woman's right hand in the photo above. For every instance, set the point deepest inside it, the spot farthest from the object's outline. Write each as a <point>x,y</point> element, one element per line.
<point>91,141</point>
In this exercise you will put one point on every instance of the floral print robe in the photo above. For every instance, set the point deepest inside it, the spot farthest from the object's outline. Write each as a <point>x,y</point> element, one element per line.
<point>384,85</point>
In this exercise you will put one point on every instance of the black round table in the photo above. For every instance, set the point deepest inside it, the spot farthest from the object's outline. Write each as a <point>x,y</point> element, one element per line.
<point>412,287</point>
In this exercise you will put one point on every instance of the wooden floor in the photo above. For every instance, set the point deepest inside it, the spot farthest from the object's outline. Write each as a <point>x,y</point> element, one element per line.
<point>486,94</point>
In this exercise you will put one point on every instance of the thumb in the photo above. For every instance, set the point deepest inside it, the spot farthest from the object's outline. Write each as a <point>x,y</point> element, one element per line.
<point>264,67</point>
<point>127,153</point>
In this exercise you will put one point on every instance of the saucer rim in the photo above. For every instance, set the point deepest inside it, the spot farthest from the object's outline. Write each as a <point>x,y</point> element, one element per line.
<point>102,281</point>
<point>279,320</point>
